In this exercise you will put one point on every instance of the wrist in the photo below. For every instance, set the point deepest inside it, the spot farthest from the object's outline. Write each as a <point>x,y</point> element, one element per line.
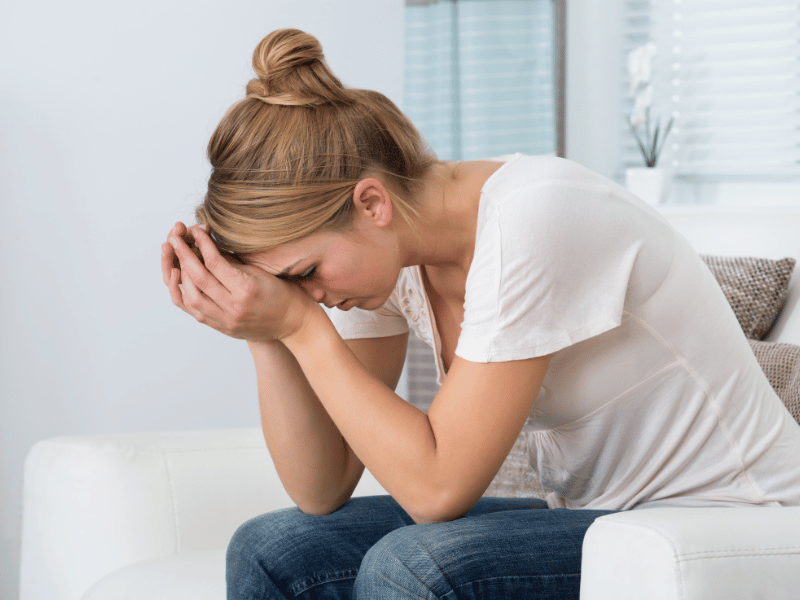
<point>265,347</point>
<point>311,329</point>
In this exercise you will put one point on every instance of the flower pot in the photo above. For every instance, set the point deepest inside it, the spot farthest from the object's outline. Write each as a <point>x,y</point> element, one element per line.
<point>650,184</point>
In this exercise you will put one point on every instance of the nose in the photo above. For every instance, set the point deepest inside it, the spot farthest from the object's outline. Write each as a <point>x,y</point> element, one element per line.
<point>315,291</point>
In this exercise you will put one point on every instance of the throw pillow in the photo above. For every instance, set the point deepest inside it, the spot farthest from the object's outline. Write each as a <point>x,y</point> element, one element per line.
<point>781,364</point>
<point>755,288</point>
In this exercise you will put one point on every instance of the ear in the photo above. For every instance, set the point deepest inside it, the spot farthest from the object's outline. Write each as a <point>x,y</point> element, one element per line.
<point>372,201</point>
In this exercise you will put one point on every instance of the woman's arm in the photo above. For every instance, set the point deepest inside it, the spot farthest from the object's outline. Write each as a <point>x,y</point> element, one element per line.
<point>317,467</point>
<point>437,465</point>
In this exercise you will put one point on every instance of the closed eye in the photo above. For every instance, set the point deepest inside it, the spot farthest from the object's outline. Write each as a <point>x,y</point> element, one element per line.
<point>308,275</point>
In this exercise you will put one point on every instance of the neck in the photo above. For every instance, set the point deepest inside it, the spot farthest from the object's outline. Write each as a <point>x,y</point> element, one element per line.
<point>443,235</point>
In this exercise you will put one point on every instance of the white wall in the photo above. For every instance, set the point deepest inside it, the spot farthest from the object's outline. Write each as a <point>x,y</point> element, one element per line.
<point>593,78</point>
<point>105,111</point>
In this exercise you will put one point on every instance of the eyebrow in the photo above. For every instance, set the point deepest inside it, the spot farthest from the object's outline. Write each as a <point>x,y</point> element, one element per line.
<point>286,272</point>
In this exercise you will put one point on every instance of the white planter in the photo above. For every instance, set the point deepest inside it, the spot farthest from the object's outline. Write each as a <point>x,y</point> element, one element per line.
<point>650,184</point>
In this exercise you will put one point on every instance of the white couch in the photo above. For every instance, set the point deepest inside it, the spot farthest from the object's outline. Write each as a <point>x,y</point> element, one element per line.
<point>148,516</point>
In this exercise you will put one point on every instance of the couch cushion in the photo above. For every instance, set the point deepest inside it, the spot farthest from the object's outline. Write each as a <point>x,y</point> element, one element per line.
<point>755,288</point>
<point>196,575</point>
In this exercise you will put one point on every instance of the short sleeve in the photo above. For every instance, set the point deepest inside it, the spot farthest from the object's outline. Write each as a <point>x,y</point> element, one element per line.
<point>552,267</point>
<point>356,323</point>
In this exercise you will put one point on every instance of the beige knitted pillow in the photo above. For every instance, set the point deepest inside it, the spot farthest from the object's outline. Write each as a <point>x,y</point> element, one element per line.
<point>755,288</point>
<point>781,365</point>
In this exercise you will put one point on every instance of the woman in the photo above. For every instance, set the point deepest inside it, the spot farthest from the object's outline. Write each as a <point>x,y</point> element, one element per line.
<point>555,302</point>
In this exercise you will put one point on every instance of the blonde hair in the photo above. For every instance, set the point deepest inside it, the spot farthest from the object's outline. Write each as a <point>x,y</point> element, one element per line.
<point>286,159</point>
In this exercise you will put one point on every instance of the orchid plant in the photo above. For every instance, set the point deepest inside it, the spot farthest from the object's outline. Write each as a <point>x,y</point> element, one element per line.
<point>640,71</point>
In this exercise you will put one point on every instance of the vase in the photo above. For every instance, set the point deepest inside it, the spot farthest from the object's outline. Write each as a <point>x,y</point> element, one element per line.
<point>651,184</point>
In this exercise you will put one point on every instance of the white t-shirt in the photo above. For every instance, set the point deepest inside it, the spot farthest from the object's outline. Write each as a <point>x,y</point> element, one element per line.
<point>653,396</point>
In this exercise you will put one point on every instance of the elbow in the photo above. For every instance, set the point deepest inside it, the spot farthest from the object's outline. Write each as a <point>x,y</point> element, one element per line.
<point>323,499</point>
<point>321,504</point>
<point>440,507</point>
<point>318,508</point>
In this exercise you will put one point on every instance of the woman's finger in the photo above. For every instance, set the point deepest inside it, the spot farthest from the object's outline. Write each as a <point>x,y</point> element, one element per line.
<point>226,273</point>
<point>201,307</point>
<point>174,290</point>
<point>180,230</point>
<point>191,265</point>
<point>167,257</point>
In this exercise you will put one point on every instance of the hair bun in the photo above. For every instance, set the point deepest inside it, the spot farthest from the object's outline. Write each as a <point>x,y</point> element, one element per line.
<point>292,71</point>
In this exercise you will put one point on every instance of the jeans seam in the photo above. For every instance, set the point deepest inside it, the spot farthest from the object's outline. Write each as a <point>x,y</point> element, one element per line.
<point>509,577</point>
<point>410,593</point>
<point>531,576</point>
<point>426,544</point>
<point>329,576</point>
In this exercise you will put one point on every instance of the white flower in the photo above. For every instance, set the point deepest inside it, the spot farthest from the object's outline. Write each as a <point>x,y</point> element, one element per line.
<point>640,70</point>
<point>640,65</point>
<point>644,99</point>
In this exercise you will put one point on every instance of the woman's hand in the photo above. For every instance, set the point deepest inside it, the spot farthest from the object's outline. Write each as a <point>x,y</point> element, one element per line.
<point>238,300</point>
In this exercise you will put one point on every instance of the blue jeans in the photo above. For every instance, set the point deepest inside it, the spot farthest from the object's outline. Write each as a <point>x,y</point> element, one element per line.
<point>370,549</point>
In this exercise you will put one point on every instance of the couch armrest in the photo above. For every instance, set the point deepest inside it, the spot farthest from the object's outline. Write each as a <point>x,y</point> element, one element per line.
<point>93,504</point>
<point>693,554</point>
<point>188,576</point>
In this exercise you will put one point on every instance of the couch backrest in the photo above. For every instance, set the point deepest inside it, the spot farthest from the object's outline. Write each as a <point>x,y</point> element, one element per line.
<point>762,233</point>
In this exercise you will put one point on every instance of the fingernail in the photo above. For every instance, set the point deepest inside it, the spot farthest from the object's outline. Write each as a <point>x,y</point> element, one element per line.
<point>173,241</point>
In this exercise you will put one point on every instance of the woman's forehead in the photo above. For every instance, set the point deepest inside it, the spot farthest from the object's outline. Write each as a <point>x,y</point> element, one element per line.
<point>280,260</point>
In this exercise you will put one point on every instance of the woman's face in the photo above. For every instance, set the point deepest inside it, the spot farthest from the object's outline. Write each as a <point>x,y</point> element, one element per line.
<point>356,267</point>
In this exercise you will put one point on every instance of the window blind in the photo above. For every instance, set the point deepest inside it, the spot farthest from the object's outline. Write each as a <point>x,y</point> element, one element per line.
<point>479,76</point>
<point>479,82</point>
<point>729,72</point>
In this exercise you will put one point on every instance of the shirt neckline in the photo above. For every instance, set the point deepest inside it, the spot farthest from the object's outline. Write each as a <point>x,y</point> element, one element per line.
<point>441,372</point>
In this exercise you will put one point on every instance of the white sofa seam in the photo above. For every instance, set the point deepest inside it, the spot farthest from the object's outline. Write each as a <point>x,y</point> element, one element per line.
<point>118,447</point>
<point>172,502</point>
<point>739,553</point>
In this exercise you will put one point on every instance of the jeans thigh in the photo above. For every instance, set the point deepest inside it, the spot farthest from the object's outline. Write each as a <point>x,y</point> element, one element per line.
<point>492,552</point>
<point>290,554</point>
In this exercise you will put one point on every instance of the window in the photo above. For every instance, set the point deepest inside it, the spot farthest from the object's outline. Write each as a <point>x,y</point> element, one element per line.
<point>728,71</point>
<point>480,76</point>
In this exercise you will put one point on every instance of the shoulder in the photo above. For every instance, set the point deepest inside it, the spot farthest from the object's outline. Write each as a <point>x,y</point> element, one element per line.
<point>554,255</point>
<point>523,172</point>
<point>542,200</point>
